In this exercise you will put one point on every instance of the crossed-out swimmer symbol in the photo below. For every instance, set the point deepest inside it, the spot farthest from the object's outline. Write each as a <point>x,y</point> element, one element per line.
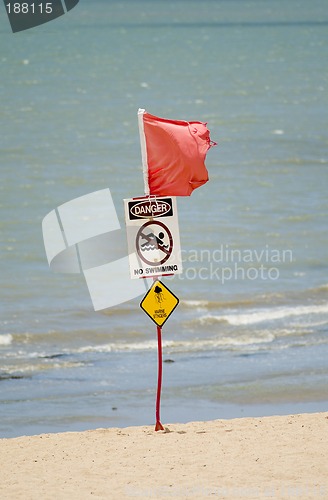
<point>146,240</point>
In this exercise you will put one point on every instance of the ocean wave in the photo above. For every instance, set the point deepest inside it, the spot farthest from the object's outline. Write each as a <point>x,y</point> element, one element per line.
<point>277,298</point>
<point>195,303</point>
<point>322,288</point>
<point>6,339</point>
<point>259,316</point>
<point>67,337</point>
<point>213,304</point>
<point>193,345</point>
<point>122,346</point>
<point>27,369</point>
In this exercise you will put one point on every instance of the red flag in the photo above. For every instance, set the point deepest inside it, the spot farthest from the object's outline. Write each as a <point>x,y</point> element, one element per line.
<point>173,154</point>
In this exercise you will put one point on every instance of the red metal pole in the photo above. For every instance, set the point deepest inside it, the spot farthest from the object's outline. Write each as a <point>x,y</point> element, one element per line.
<point>159,426</point>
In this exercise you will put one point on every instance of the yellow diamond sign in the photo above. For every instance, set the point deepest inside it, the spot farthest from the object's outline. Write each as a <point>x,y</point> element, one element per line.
<point>159,303</point>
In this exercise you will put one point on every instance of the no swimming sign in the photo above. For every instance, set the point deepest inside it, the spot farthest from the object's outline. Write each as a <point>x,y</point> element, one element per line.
<point>153,236</point>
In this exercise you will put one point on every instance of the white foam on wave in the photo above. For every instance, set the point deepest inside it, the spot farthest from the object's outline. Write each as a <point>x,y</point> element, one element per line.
<point>194,303</point>
<point>259,316</point>
<point>123,346</point>
<point>323,287</point>
<point>29,368</point>
<point>243,340</point>
<point>192,345</point>
<point>6,339</point>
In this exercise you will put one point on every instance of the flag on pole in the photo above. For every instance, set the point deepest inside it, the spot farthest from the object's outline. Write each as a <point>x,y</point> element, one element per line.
<point>173,154</point>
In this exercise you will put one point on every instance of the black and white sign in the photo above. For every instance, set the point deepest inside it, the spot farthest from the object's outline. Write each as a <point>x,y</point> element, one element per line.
<point>150,207</point>
<point>153,236</point>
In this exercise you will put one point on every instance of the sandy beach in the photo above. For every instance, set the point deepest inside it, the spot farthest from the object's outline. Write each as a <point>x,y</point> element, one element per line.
<point>269,457</point>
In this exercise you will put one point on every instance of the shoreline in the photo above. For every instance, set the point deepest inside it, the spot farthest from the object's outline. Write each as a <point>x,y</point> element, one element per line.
<point>263,457</point>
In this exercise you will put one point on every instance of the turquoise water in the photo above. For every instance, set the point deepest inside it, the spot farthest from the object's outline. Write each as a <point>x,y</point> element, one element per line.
<point>250,334</point>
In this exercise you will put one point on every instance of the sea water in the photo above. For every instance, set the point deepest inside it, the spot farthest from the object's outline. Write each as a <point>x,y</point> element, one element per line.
<point>249,336</point>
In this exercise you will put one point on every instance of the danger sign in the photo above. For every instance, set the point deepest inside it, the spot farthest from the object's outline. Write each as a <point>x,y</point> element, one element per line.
<point>153,237</point>
<point>151,207</point>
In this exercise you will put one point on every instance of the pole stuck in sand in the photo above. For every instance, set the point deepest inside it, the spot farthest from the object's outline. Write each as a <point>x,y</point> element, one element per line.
<point>158,425</point>
<point>173,154</point>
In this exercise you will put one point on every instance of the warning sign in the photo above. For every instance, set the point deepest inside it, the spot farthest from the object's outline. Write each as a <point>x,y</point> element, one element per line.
<point>153,236</point>
<point>159,303</point>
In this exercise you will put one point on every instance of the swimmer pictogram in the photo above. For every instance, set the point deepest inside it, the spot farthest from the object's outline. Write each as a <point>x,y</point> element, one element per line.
<point>154,243</point>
